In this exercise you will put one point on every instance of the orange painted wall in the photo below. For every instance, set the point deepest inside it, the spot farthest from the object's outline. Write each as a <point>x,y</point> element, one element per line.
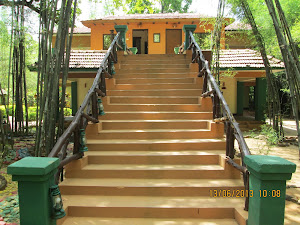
<point>97,31</point>
<point>79,42</point>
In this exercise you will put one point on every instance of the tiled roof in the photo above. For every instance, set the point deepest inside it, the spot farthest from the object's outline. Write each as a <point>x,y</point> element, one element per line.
<point>86,59</point>
<point>79,30</point>
<point>237,26</point>
<point>82,30</point>
<point>233,58</point>
<point>246,58</point>
<point>154,16</point>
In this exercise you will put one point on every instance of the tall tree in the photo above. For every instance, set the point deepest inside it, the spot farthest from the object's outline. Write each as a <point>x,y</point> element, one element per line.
<point>170,6</point>
<point>273,89</point>
<point>150,6</point>
<point>51,64</point>
<point>265,24</point>
<point>140,6</point>
<point>290,57</point>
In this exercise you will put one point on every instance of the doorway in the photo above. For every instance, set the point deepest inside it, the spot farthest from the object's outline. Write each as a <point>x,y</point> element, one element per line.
<point>173,39</point>
<point>140,40</point>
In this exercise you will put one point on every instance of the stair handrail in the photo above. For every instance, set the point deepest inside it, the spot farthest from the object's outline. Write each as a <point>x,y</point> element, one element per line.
<point>88,110</point>
<point>211,88</point>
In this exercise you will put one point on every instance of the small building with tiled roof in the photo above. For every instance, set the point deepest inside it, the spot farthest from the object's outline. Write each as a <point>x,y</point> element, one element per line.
<point>159,34</point>
<point>239,36</point>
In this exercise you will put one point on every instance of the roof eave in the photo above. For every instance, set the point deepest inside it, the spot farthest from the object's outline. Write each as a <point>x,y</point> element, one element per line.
<point>89,23</point>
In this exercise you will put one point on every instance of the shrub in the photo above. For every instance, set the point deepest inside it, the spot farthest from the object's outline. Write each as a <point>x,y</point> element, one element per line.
<point>270,133</point>
<point>67,112</point>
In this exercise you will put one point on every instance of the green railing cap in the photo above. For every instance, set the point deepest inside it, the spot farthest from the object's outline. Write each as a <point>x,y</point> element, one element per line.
<point>189,28</point>
<point>34,166</point>
<point>269,164</point>
<point>121,28</point>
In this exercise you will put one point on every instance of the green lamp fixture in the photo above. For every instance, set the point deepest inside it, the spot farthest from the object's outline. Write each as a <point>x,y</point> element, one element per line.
<point>82,147</point>
<point>57,204</point>
<point>101,107</point>
<point>113,72</point>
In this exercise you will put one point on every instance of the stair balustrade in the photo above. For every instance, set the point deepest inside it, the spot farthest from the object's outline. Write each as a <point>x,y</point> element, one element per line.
<point>88,111</point>
<point>221,112</point>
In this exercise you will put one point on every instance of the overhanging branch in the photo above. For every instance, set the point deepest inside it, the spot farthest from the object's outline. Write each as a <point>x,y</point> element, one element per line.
<point>19,2</point>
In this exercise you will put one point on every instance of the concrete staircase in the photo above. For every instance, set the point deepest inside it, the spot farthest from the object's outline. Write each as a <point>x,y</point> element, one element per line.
<point>156,157</point>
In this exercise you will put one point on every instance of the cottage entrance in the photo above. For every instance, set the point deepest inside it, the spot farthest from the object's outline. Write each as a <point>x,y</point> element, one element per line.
<point>173,39</point>
<point>140,40</point>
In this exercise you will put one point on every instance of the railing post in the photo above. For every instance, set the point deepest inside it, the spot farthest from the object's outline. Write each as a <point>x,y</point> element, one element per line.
<point>229,140</point>
<point>122,40</point>
<point>267,188</point>
<point>95,105</point>
<point>102,85</point>
<point>76,140</point>
<point>35,176</point>
<point>205,80</point>
<point>216,106</point>
<point>187,29</point>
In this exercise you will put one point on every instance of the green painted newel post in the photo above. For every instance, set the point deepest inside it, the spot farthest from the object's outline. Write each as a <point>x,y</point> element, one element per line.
<point>267,183</point>
<point>187,29</point>
<point>123,29</point>
<point>35,176</point>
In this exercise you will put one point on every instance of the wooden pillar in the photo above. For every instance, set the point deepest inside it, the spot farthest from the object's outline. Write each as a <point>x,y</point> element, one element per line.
<point>74,98</point>
<point>240,98</point>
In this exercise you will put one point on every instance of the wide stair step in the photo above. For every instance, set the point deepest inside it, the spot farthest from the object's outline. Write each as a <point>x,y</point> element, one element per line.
<point>149,187</point>
<point>159,115</point>
<point>153,207</point>
<point>153,100</point>
<point>156,157</point>
<point>154,124</point>
<point>154,86</point>
<point>161,65</point>
<point>158,134</point>
<point>156,81</point>
<point>175,92</point>
<point>150,74</point>
<point>147,221</point>
<point>156,144</point>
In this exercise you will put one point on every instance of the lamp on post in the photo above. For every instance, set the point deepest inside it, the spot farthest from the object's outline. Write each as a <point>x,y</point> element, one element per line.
<point>101,107</point>
<point>82,147</point>
<point>57,204</point>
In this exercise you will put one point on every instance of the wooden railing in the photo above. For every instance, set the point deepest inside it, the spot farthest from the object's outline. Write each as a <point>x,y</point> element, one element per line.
<point>221,112</point>
<point>88,111</point>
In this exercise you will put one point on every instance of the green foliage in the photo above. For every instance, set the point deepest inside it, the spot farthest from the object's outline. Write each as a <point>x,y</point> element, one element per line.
<point>203,40</point>
<point>171,6</point>
<point>106,41</point>
<point>4,51</point>
<point>270,134</point>
<point>229,73</point>
<point>31,111</point>
<point>140,6</point>
<point>67,112</point>
<point>265,24</point>
<point>146,6</point>
<point>31,52</point>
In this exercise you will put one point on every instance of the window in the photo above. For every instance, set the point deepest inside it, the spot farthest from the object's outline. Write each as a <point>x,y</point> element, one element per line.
<point>156,38</point>
<point>106,41</point>
<point>203,40</point>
